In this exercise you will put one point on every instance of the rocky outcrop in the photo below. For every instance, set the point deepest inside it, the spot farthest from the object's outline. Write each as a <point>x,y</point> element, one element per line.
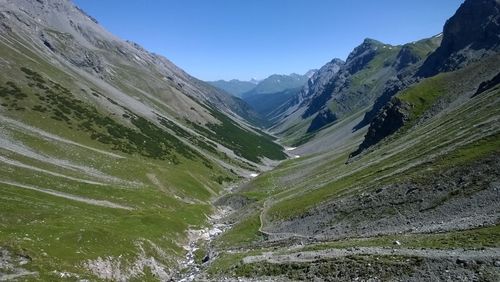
<point>390,118</point>
<point>471,34</point>
<point>489,84</point>
<point>323,118</point>
<point>392,87</point>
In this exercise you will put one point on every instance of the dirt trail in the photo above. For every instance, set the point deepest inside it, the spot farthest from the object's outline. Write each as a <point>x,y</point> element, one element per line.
<point>311,256</point>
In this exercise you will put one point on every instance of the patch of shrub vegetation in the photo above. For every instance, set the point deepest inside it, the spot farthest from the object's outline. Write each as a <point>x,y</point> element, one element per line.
<point>197,141</point>
<point>11,95</point>
<point>221,179</point>
<point>242,142</point>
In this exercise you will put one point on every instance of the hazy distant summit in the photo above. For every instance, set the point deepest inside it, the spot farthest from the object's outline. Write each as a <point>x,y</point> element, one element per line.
<point>272,84</point>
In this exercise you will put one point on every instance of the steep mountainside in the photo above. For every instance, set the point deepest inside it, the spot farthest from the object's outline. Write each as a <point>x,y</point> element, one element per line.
<point>467,37</point>
<point>316,83</point>
<point>128,77</point>
<point>408,61</point>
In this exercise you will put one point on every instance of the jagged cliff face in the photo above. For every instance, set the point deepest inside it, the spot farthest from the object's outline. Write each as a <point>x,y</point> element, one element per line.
<point>470,35</point>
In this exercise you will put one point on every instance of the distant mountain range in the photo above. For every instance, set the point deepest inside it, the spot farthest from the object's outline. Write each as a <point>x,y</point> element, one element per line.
<point>273,84</point>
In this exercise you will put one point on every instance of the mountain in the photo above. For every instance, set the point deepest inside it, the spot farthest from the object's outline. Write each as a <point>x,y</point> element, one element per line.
<point>407,63</point>
<point>278,83</point>
<point>350,88</point>
<point>371,75</point>
<point>108,153</point>
<point>234,87</point>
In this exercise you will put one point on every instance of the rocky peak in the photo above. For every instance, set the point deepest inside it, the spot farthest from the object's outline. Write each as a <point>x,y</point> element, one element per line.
<point>367,45</point>
<point>472,33</point>
<point>362,55</point>
<point>310,73</point>
<point>320,78</point>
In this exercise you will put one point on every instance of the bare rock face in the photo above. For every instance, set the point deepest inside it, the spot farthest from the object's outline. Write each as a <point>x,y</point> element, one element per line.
<point>392,116</point>
<point>406,57</point>
<point>323,118</point>
<point>486,85</point>
<point>471,34</point>
<point>362,55</point>
<point>316,84</point>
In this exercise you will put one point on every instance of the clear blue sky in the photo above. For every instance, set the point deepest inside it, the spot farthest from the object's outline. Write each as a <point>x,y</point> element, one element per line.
<point>225,39</point>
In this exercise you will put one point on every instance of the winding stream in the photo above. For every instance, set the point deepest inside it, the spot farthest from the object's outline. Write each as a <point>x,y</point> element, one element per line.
<point>189,268</point>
